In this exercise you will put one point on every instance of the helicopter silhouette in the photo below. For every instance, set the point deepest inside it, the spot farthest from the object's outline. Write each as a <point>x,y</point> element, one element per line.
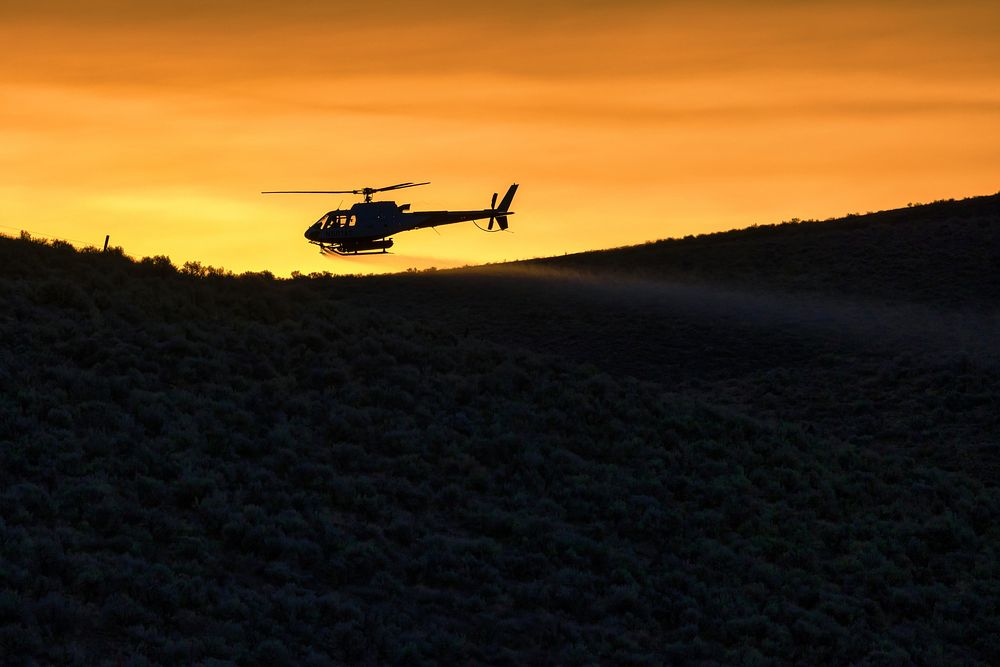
<point>365,228</point>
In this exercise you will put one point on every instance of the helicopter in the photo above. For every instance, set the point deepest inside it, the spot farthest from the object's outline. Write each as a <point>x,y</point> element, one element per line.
<point>365,228</point>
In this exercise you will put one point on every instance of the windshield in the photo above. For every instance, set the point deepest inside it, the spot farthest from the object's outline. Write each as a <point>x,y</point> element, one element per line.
<point>336,219</point>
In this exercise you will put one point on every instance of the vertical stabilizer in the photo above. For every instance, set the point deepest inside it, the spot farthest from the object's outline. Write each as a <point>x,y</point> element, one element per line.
<point>507,199</point>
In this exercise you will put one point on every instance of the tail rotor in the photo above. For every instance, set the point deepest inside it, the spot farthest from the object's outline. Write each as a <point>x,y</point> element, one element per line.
<point>499,214</point>
<point>493,208</point>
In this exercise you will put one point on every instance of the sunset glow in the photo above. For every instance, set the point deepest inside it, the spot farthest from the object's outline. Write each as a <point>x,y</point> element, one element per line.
<point>159,123</point>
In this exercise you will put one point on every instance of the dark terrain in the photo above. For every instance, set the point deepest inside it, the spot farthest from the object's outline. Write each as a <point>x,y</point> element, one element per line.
<point>777,445</point>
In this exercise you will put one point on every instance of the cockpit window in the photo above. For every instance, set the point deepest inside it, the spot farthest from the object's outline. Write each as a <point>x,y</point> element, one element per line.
<point>334,220</point>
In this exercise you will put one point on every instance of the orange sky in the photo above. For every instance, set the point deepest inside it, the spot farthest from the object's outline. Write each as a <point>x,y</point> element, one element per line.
<point>159,123</point>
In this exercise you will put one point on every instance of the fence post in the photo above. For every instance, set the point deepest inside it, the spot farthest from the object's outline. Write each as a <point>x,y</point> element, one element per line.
<point>107,237</point>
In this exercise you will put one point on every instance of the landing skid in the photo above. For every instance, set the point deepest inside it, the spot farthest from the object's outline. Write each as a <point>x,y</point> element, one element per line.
<point>339,250</point>
<point>351,253</point>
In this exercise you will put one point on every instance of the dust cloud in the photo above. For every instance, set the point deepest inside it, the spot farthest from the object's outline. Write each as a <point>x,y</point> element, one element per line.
<point>897,325</point>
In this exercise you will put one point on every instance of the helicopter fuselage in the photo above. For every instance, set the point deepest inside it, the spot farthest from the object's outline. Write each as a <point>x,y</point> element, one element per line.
<point>366,226</point>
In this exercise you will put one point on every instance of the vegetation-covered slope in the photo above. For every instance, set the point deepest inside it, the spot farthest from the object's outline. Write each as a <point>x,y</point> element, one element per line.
<point>946,253</point>
<point>282,472</point>
<point>882,330</point>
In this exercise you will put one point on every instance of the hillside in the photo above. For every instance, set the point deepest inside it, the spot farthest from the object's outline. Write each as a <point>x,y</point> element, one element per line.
<point>883,328</point>
<point>504,466</point>
<point>946,253</point>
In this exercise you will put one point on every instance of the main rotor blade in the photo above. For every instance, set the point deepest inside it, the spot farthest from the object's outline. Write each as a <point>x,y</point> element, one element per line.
<point>399,186</point>
<point>311,192</point>
<point>358,191</point>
